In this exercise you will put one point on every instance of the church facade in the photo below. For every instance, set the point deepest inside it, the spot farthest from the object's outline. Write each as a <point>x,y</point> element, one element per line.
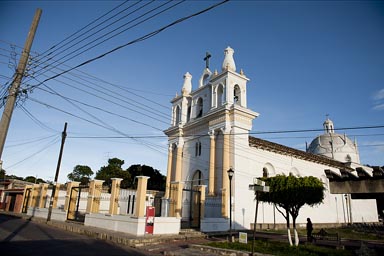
<point>209,135</point>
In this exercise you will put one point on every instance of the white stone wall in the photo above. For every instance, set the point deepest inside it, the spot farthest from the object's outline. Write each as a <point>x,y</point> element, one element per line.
<point>130,225</point>
<point>250,163</point>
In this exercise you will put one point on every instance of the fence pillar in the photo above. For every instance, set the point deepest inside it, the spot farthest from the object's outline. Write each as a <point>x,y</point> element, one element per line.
<point>93,202</point>
<point>35,195</point>
<point>56,195</point>
<point>43,194</point>
<point>27,196</point>
<point>140,195</point>
<point>176,199</point>
<point>114,199</point>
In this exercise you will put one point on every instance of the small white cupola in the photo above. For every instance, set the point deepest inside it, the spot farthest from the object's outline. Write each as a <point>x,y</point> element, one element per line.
<point>328,126</point>
<point>229,62</point>
<point>187,86</point>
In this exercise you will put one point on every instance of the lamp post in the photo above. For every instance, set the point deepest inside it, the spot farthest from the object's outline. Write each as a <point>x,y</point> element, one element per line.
<point>346,207</point>
<point>230,175</point>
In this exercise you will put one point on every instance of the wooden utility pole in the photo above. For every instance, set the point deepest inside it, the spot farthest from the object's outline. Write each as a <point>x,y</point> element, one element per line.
<point>13,90</point>
<point>63,136</point>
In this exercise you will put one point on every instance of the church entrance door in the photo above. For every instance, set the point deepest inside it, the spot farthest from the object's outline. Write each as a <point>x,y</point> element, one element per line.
<point>191,209</point>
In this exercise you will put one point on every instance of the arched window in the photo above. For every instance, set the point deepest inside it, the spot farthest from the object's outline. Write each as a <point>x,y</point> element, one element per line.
<point>237,95</point>
<point>189,113</point>
<point>265,172</point>
<point>199,109</point>
<point>220,95</point>
<point>177,115</point>
<point>198,149</point>
<point>197,178</point>
<point>189,109</point>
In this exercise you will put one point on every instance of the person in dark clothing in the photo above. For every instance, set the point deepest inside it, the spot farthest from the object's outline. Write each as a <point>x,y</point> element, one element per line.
<point>309,230</point>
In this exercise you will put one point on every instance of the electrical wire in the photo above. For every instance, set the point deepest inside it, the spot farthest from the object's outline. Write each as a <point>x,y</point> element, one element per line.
<point>48,145</point>
<point>140,39</point>
<point>106,126</point>
<point>30,141</point>
<point>98,108</point>
<point>116,103</point>
<point>81,29</point>
<point>86,44</point>
<point>97,42</point>
<point>37,121</point>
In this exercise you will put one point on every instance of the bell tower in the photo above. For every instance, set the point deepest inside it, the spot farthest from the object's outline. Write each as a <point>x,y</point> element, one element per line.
<point>210,125</point>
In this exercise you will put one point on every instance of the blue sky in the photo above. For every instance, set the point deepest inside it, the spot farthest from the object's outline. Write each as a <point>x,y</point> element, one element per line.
<point>305,59</point>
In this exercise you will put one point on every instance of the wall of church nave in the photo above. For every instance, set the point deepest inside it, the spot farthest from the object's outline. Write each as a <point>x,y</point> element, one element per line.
<point>364,210</point>
<point>333,210</point>
<point>251,162</point>
<point>321,214</point>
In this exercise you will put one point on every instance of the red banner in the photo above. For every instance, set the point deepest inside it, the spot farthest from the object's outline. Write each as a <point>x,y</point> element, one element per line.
<point>149,219</point>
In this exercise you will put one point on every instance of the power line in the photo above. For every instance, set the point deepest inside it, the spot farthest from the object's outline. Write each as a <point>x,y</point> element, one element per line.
<point>319,130</point>
<point>116,96</point>
<point>140,39</point>
<point>81,29</point>
<point>48,145</point>
<point>98,108</point>
<point>30,141</point>
<point>114,103</point>
<point>37,121</point>
<point>92,41</point>
<point>106,126</point>
<point>240,134</point>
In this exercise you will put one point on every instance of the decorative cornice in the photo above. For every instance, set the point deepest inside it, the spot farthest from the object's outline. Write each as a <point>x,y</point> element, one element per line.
<point>284,150</point>
<point>224,73</point>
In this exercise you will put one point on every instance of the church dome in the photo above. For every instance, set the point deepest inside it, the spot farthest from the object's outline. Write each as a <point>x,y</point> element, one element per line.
<point>334,145</point>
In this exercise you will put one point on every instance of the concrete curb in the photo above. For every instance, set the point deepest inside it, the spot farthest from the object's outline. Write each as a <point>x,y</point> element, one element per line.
<point>226,252</point>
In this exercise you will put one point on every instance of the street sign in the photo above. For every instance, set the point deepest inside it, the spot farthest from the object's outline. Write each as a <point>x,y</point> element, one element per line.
<point>258,182</point>
<point>243,237</point>
<point>258,188</point>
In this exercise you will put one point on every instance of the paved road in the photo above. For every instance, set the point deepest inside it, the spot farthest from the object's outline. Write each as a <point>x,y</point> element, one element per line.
<point>23,237</point>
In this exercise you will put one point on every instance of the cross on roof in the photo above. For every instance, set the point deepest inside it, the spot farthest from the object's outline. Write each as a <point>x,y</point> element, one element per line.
<point>207,56</point>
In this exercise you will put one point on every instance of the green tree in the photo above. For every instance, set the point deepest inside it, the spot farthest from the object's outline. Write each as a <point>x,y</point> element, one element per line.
<point>3,174</point>
<point>114,170</point>
<point>31,179</point>
<point>81,173</point>
<point>156,180</point>
<point>34,179</point>
<point>290,193</point>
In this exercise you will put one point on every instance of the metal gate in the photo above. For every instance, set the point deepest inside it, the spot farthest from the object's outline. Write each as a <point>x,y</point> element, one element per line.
<point>26,200</point>
<point>74,211</point>
<point>191,209</point>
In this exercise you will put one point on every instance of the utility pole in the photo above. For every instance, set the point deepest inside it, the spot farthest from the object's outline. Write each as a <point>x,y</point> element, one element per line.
<point>13,91</point>
<point>63,136</point>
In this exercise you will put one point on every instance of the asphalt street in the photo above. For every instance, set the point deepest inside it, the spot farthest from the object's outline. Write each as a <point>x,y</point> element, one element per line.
<point>24,237</point>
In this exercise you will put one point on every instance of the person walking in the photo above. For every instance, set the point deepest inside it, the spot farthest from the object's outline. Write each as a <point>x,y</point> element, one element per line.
<point>309,230</point>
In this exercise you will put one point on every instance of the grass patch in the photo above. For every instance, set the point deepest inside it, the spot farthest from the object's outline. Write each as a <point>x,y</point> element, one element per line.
<point>280,248</point>
<point>344,233</point>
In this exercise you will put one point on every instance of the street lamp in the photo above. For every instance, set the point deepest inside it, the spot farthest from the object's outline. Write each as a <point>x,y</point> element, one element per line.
<point>230,175</point>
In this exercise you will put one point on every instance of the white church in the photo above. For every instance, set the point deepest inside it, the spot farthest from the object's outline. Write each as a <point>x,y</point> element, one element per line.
<point>209,135</point>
